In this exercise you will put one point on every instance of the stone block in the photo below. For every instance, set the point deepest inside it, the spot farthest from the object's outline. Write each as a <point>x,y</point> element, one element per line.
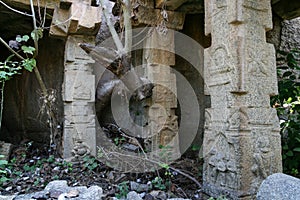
<point>153,17</point>
<point>80,138</point>
<point>160,48</point>
<point>76,87</point>
<point>74,53</point>
<point>71,120</point>
<point>279,186</point>
<point>75,18</point>
<point>78,109</point>
<point>5,150</point>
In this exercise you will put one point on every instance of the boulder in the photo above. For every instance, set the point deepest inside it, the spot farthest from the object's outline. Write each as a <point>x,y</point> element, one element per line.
<point>279,186</point>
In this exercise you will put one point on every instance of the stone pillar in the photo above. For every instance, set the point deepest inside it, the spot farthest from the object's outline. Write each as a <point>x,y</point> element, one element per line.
<point>241,140</point>
<point>158,57</point>
<point>78,22</point>
<point>163,124</point>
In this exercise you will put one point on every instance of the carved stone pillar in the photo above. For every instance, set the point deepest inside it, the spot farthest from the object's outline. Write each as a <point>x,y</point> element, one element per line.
<point>159,56</point>
<point>241,140</point>
<point>78,22</point>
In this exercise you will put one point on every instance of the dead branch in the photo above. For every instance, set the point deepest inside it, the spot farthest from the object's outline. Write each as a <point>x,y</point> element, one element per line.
<point>146,159</point>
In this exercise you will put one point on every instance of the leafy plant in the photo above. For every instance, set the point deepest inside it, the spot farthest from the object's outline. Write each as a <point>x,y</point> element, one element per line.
<point>123,190</point>
<point>3,172</point>
<point>90,162</point>
<point>158,183</point>
<point>10,68</point>
<point>287,104</point>
<point>118,140</point>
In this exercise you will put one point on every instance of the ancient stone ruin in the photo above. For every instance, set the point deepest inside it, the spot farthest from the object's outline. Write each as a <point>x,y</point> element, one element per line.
<point>241,141</point>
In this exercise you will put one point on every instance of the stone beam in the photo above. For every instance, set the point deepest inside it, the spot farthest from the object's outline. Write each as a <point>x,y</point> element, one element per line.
<point>151,16</point>
<point>169,4</point>
<point>191,8</point>
<point>241,139</point>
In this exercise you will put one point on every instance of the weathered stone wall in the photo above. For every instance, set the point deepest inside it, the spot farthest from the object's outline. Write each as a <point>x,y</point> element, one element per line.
<point>290,34</point>
<point>285,34</point>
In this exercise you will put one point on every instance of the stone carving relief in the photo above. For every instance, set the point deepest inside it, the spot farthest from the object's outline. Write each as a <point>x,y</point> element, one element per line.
<point>238,119</point>
<point>221,67</point>
<point>222,168</point>
<point>262,160</point>
<point>80,149</point>
<point>258,63</point>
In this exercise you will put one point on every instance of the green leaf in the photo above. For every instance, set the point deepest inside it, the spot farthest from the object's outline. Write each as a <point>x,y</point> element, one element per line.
<point>164,165</point>
<point>3,162</point>
<point>29,64</point>
<point>18,38</point>
<point>297,149</point>
<point>25,38</point>
<point>28,49</point>
<point>3,179</point>
<point>37,34</point>
<point>290,153</point>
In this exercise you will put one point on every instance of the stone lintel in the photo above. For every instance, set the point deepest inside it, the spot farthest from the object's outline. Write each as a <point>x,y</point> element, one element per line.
<point>153,17</point>
<point>170,4</point>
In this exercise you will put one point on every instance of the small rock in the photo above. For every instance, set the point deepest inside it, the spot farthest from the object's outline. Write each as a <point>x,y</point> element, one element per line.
<point>57,185</point>
<point>56,168</point>
<point>148,197</point>
<point>138,187</point>
<point>7,197</point>
<point>162,195</point>
<point>93,192</point>
<point>159,194</point>
<point>55,193</point>
<point>19,188</point>
<point>8,188</point>
<point>142,195</point>
<point>40,195</point>
<point>133,196</point>
<point>62,196</point>
<point>72,194</point>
